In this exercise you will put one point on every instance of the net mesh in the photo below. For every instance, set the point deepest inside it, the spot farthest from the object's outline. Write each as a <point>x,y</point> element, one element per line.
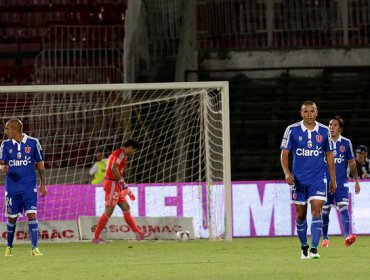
<point>178,170</point>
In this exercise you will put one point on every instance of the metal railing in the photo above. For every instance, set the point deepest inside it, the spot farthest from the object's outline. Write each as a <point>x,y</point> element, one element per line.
<point>252,24</point>
<point>81,54</point>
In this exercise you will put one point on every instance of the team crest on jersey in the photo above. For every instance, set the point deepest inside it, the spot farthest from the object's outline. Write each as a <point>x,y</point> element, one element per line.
<point>319,138</point>
<point>309,144</point>
<point>27,149</point>
<point>342,149</point>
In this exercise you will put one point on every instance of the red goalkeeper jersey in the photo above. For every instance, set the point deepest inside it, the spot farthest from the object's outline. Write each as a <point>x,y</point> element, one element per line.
<point>118,157</point>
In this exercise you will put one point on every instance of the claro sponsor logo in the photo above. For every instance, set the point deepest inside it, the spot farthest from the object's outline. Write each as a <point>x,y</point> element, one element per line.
<point>44,234</point>
<point>307,153</point>
<point>16,162</point>
<point>339,159</point>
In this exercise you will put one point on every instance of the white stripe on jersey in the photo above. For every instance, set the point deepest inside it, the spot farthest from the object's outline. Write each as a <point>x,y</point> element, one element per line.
<point>286,137</point>
<point>38,146</point>
<point>350,145</point>
<point>120,157</point>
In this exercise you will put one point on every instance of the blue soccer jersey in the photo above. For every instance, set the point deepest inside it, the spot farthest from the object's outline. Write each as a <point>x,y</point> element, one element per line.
<point>343,152</point>
<point>308,149</point>
<point>21,158</point>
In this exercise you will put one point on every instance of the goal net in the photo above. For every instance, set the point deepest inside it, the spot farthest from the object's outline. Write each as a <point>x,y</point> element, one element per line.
<point>182,168</point>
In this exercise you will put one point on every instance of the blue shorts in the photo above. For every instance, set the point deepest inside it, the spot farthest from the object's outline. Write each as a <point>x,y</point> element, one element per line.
<point>16,203</point>
<point>301,194</point>
<point>340,197</point>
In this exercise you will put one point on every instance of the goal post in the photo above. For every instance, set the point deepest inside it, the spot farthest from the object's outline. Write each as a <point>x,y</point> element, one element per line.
<point>182,168</point>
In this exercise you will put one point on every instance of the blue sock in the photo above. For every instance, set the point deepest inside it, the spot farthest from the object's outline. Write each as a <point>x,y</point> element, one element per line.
<point>346,223</point>
<point>325,222</point>
<point>10,233</point>
<point>33,226</point>
<point>302,231</point>
<point>316,229</point>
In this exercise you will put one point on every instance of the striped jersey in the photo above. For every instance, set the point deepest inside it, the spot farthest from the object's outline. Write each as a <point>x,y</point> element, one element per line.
<point>21,157</point>
<point>308,149</point>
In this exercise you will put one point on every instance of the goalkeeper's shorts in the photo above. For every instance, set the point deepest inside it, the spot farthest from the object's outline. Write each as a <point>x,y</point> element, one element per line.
<point>113,193</point>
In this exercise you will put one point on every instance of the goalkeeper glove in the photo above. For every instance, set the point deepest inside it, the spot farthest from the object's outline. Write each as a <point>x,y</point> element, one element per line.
<point>132,196</point>
<point>124,186</point>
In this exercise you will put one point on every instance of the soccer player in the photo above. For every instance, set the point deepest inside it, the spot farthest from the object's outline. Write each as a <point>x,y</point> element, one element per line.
<point>308,140</point>
<point>116,190</point>
<point>18,156</point>
<point>344,155</point>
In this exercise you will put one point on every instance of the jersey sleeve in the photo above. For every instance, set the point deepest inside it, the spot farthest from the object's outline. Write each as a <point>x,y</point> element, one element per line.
<point>39,154</point>
<point>350,154</point>
<point>286,143</point>
<point>2,152</point>
<point>329,146</point>
<point>94,169</point>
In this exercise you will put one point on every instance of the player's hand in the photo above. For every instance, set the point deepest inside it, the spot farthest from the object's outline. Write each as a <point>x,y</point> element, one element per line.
<point>132,196</point>
<point>123,184</point>
<point>289,179</point>
<point>4,168</point>
<point>43,190</point>
<point>357,188</point>
<point>332,186</point>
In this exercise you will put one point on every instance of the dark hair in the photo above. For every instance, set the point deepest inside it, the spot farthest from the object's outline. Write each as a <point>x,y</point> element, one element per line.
<point>133,143</point>
<point>309,103</point>
<point>340,121</point>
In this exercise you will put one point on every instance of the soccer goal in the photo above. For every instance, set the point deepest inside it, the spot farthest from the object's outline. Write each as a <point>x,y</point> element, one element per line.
<point>182,169</point>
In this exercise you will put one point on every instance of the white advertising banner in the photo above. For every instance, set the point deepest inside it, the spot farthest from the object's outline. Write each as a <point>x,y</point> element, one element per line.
<point>56,231</point>
<point>161,228</point>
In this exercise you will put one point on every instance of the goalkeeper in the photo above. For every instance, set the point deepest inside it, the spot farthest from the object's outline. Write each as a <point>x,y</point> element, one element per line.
<point>116,190</point>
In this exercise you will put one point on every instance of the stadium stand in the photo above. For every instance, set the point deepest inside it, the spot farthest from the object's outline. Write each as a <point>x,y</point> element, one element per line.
<point>25,27</point>
<point>262,109</point>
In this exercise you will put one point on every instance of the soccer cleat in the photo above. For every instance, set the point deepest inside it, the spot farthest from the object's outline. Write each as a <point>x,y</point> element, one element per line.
<point>8,252</point>
<point>97,241</point>
<point>325,243</point>
<point>350,239</point>
<point>314,254</point>
<point>139,236</point>
<point>304,252</point>
<point>36,252</point>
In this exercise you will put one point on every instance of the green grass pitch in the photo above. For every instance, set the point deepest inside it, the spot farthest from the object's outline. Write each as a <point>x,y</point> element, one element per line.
<point>243,258</point>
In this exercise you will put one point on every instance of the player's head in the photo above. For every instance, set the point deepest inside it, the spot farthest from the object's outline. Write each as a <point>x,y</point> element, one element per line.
<point>99,155</point>
<point>13,128</point>
<point>361,152</point>
<point>131,146</point>
<point>309,112</point>
<point>336,126</point>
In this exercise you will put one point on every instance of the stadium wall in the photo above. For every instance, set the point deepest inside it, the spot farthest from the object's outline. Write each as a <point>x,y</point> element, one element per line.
<point>283,58</point>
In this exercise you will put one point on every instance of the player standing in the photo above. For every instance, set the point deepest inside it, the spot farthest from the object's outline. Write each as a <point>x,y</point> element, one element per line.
<point>344,155</point>
<point>116,190</point>
<point>308,140</point>
<point>18,156</point>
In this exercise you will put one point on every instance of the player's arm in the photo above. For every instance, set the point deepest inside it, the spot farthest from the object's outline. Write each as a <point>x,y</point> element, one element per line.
<point>284,160</point>
<point>353,168</point>
<point>118,176</point>
<point>41,168</point>
<point>331,166</point>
